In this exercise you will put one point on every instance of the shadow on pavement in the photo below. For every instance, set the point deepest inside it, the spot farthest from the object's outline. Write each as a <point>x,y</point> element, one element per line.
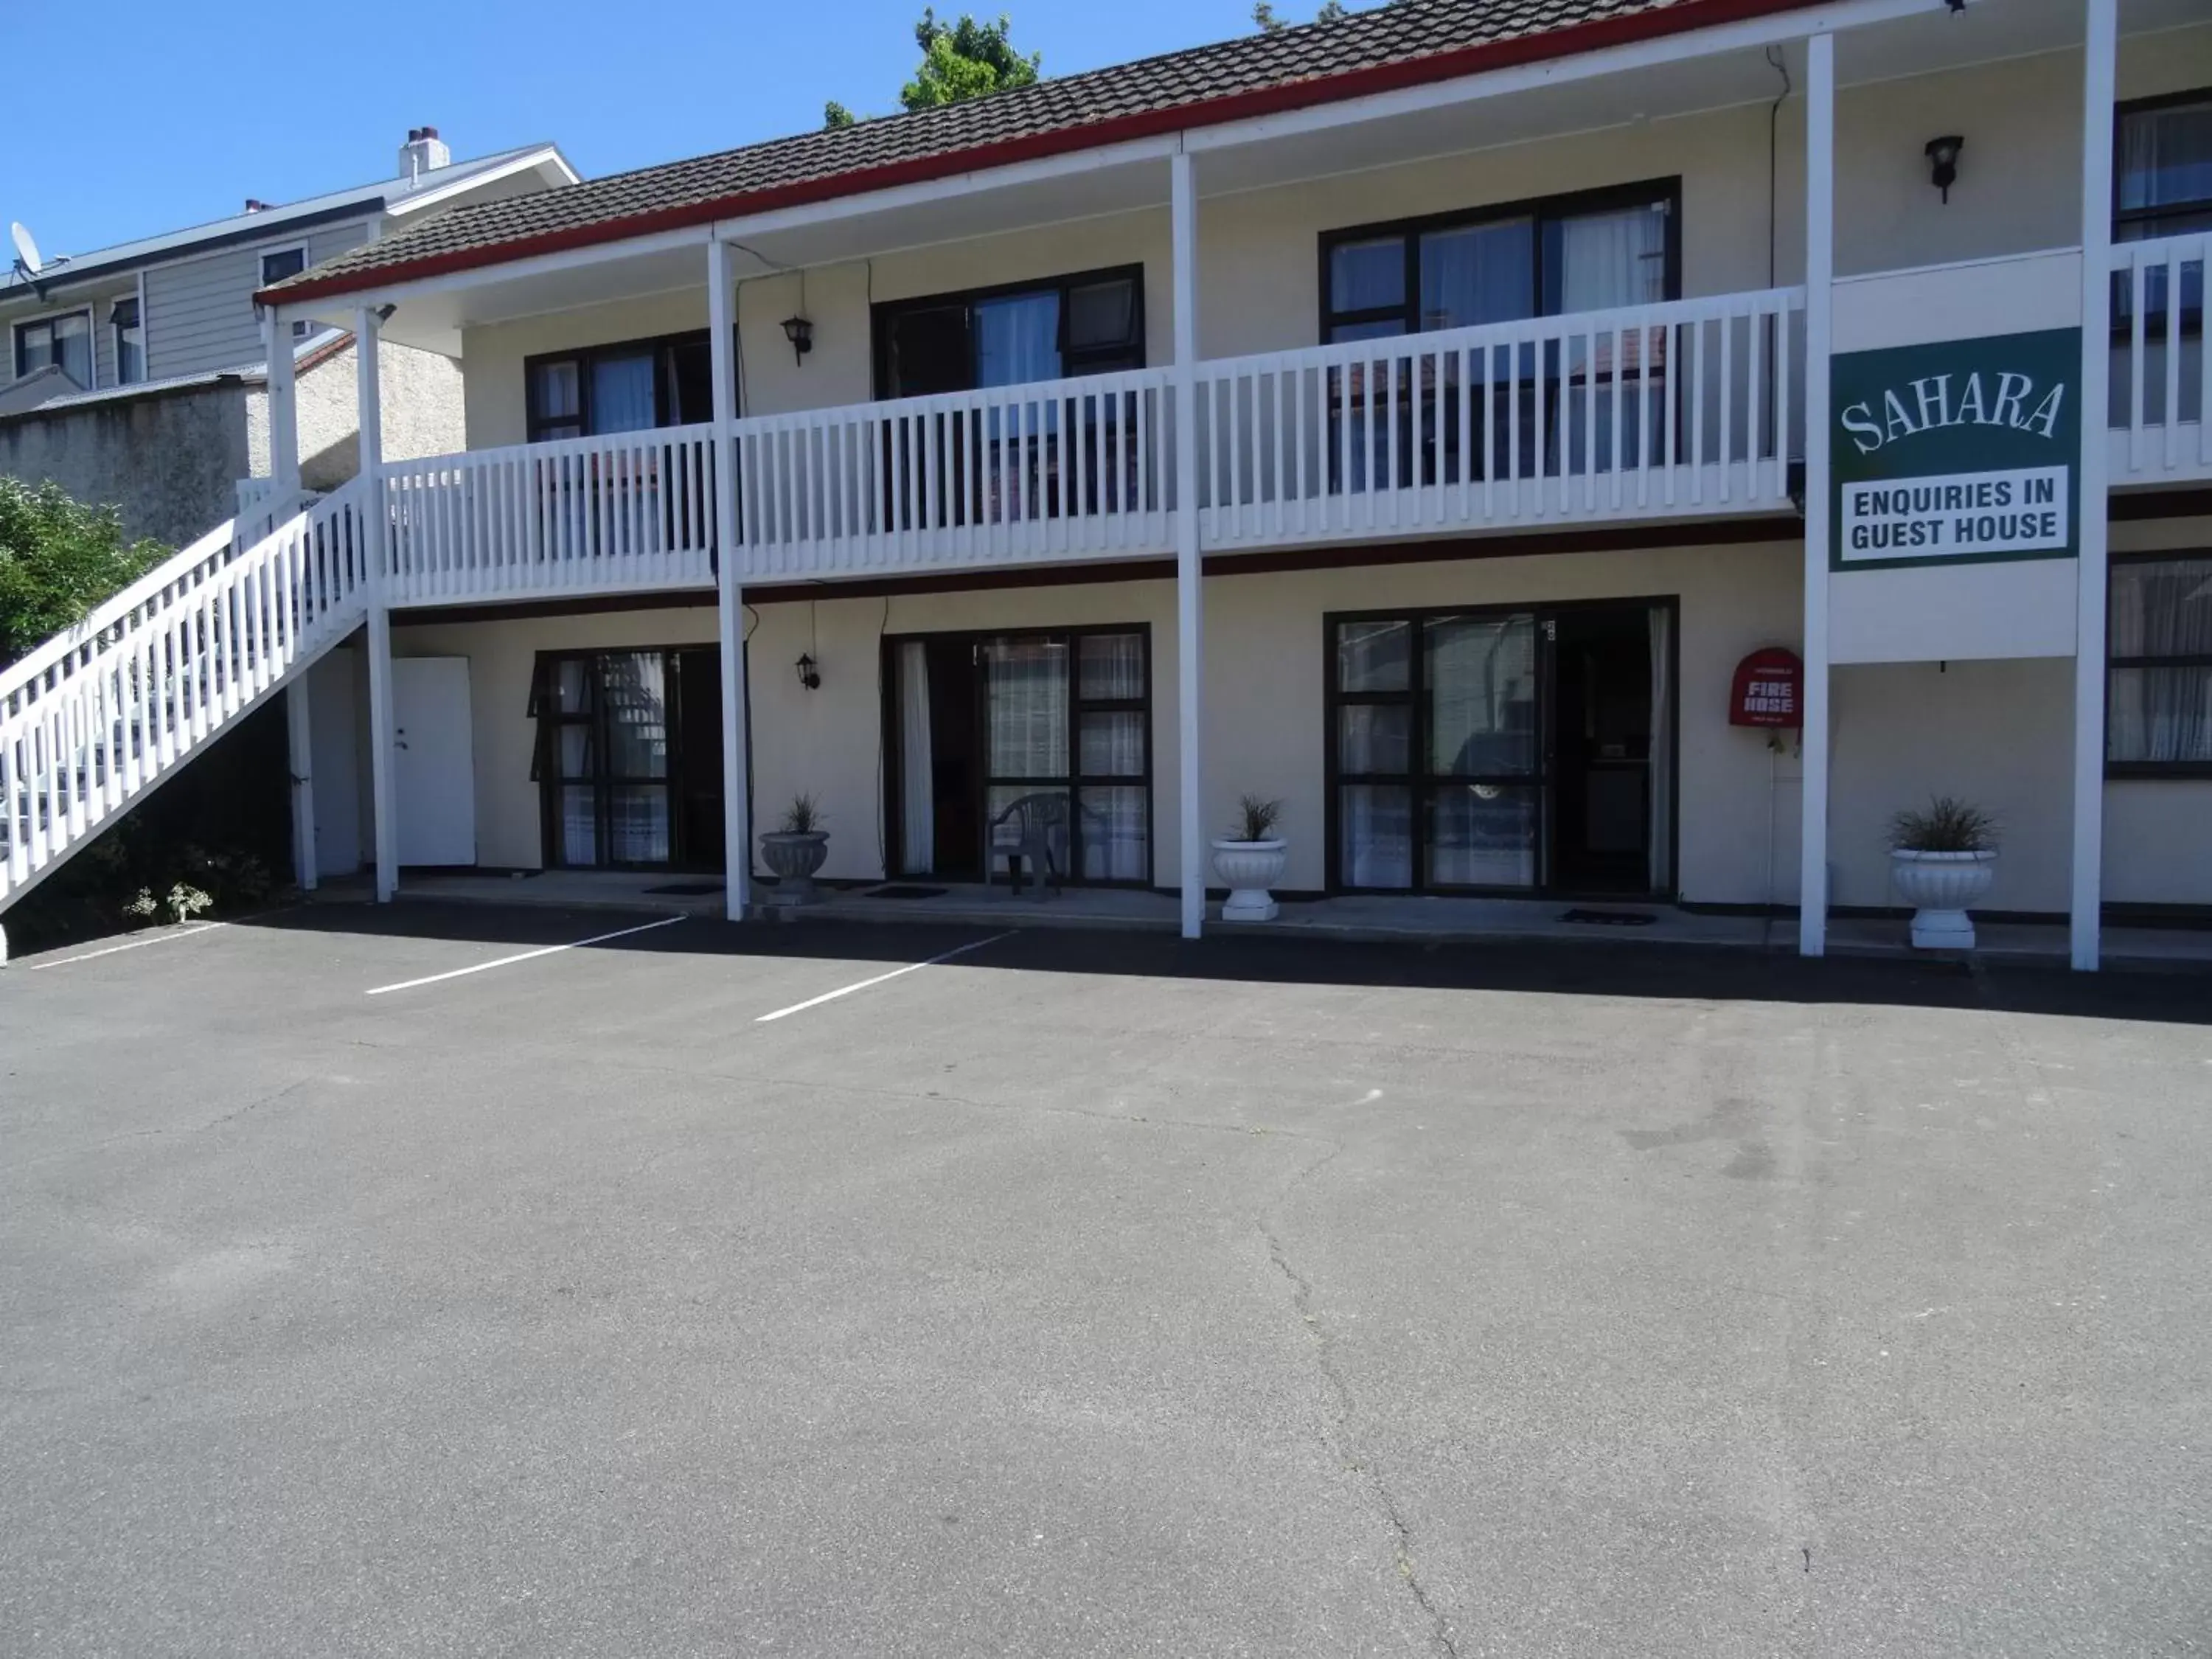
<point>1599,967</point>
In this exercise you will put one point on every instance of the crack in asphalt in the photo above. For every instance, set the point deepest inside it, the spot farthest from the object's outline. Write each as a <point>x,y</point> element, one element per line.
<point>235,1113</point>
<point>1338,1440</point>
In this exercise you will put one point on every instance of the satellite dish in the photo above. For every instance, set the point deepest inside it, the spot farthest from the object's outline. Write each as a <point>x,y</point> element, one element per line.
<point>26,251</point>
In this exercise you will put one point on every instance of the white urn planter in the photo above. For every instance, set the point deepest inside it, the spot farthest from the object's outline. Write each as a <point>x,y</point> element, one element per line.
<point>1248,869</point>
<point>1941,887</point>
<point>793,856</point>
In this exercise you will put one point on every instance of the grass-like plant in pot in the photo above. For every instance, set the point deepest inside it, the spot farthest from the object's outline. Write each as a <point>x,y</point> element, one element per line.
<point>796,848</point>
<point>1943,859</point>
<point>1249,860</point>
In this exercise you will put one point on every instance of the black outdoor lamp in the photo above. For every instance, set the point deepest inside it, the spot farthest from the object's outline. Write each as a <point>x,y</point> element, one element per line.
<point>810,675</point>
<point>799,330</point>
<point>1943,162</point>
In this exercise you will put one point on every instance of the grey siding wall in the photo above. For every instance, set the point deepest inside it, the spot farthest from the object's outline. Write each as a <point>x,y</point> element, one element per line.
<point>169,461</point>
<point>200,312</point>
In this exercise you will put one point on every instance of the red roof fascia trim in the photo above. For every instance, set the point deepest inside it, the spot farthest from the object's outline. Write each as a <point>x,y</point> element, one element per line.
<point>1593,36</point>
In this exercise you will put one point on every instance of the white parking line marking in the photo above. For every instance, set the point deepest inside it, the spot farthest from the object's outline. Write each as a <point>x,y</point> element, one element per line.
<point>911,967</point>
<point>528,956</point>
<point>135,944</point>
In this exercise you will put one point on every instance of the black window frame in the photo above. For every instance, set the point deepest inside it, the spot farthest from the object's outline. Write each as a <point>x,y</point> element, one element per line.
<point>1537,208</point>
<point>48,320</point>
<point>117,328</point>
<point>535,420</point>
<point>301,326</point>
<point>2151,215</point>
<point>2148,769</point>
<point>544,761</point>
<point>1420,784</point>
<point>884,314</point>
<point>2147,221</point>
<point>1078,705</point>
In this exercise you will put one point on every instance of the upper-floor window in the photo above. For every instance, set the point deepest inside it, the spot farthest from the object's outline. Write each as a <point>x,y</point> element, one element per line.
<point>129,341</point>
<point>278,264</point>
<point>1589,251</point>
<point>64,342</point>
<point>2158,689</point>
<point>631,387</point>
<point>2162,167</point>
<point>1089,324</point>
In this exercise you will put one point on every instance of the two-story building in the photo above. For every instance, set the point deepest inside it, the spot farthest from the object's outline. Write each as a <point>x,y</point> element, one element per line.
<point>1420,419</point>
<point>138,374</point>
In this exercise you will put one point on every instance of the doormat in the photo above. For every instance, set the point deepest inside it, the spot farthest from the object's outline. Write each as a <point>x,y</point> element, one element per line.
<point>898,890</point>
<point>1610,918</point>
<point>687,889</point>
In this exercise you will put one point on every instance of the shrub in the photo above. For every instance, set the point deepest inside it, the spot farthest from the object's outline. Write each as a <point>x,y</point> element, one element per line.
<point>1947,826</point>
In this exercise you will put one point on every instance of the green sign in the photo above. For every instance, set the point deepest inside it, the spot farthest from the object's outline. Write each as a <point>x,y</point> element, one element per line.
<point>1960,452</point>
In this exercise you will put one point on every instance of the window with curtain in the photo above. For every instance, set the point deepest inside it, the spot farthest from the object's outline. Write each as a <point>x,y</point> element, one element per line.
<point>1437,764</point>
<point>129,341</point>
<point>1069,715</point>
<point>63,342</point>
<point>1584,252</point>
<point>2159,669</point>
<point>1093,323</point>
<point>605,757</point>
<point>635,385</point>
<point>2161,186</point>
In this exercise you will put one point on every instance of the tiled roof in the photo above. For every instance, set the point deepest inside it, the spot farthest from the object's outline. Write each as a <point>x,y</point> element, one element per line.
<point>1399,43</point>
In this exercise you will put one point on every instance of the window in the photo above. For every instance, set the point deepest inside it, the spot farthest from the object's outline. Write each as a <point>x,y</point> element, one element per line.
<point>129,342</point>
<point>629,758</point>
<point>1585,252</point>
<point>63,341</point>
<point>1090,324</point>
<point>2162,167</point>
<point>278,264</point>
<point>633,386</point>
<point>2157,719</point>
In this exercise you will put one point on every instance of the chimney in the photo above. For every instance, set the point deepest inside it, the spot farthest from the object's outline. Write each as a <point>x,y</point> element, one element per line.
<point>423,152</point>
<point>255,204</point>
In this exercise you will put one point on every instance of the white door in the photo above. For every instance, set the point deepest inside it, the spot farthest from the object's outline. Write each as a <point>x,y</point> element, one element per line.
<point>433,780</point>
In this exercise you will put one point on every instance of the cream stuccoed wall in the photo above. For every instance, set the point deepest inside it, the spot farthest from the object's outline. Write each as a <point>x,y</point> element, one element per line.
<point>1266,679</point>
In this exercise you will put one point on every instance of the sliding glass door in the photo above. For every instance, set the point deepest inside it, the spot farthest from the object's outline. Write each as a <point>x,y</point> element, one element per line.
<point>1502,751</point>
<point>1059,728</point>
<point>622,760</point>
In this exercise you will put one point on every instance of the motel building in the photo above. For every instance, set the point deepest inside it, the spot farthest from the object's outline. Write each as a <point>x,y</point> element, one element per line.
<point>1600,453</point>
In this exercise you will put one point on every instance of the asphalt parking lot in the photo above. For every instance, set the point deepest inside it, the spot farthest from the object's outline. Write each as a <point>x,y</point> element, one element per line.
<point>703,1291</point>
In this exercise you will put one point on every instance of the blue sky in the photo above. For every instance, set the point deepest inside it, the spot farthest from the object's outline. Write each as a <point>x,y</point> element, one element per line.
<point>159,117</point>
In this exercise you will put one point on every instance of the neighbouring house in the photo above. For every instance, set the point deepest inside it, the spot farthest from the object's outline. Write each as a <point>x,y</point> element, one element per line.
<point>1587,451</point>
<point>138,374</point>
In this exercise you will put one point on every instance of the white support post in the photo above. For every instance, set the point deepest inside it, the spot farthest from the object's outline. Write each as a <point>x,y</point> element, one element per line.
<point>299,730</point>
<point>2089,647</point>
<point>1190,570</point>
<point>737,803</point>
<point>283,404</point>
<point>1819,294</point>
<point>382,737</point>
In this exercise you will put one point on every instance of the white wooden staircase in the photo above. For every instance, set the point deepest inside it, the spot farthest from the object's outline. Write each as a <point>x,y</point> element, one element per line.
<point>96,718</point>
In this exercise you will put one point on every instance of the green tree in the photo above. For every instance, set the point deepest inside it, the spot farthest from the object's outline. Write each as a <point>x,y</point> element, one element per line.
<point>835,114</point>
<point>59,559</point>
<point>964,60</point>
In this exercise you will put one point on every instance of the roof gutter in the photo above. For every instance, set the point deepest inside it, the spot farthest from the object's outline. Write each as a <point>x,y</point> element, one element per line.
<point>1571,41</point>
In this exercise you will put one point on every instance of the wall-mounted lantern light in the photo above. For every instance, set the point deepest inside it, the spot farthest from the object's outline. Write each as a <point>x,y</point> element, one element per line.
<point>810,674</point>
<point>799,330</point>
<point>1943,162</point>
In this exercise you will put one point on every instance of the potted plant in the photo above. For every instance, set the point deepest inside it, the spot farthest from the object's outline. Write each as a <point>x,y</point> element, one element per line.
<point>794,851</point>
<point>1943,859</point>
<point>1249,860</point>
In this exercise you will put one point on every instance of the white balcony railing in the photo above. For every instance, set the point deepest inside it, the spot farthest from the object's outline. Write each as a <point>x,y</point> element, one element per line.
<point>1638,413</point>
<point>2159,361</point>
<point>632,510</point>
<point>1012,475</point>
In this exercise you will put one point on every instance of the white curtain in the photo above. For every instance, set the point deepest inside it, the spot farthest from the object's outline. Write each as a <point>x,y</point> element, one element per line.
<point>622,394</point>
<point>917,783</point>
<point>2162,712</point>
<point>1610,259</point>
<point>1027,684</point>
<point>1017,339</point>
<point>1662,766</point>
<point>1477,274</point>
